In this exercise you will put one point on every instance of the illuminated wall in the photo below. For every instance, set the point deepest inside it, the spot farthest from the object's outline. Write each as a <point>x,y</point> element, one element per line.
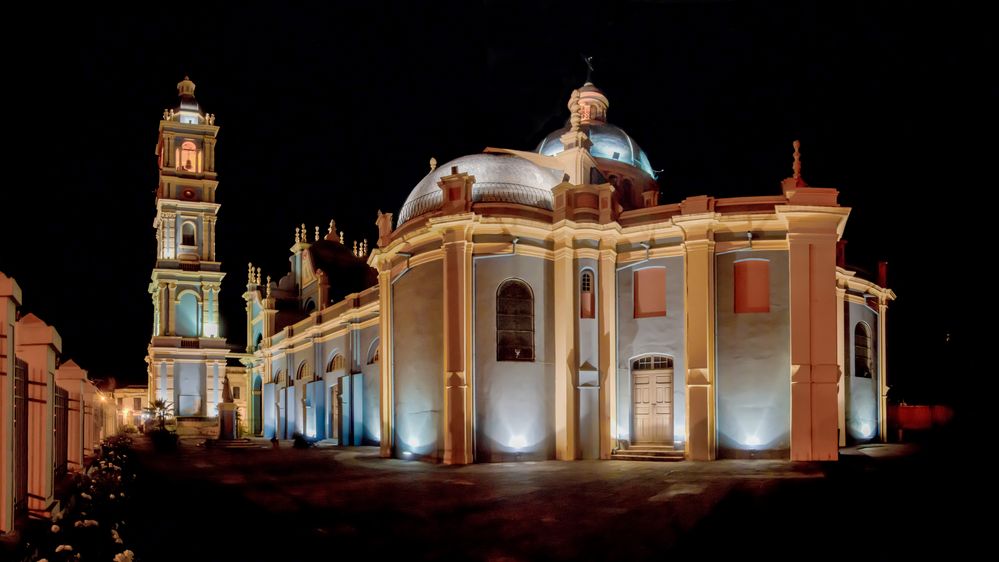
<point>589,355</point>
<point>753,364</point>
<point>189,390</point>
<point>269,410</point>
<point>661,335</point>
<point>372,392</point>
<point>187,316</point>
<point>514,400</point>
<point>861,393</point>
<point>417,325</point>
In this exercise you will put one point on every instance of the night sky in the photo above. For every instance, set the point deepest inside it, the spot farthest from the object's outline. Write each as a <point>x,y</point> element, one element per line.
<point>335,114</point>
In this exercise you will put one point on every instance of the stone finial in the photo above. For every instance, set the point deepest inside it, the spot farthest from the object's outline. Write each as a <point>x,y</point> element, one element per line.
<point>433,163</point>
<point>342,239</point>
<point>355,249</point>
<point>298,235</point>
<point>364,247</point>
<point>332,228</point>
<point>796,167</point>
<point>574,117</point>
<point>249,275</point>
<point>258,276</point>
<point>268,286</point>
<point>305,234</point>
<point>317,234</point>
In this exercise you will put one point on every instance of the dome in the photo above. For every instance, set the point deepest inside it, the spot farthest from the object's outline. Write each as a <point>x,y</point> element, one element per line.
<point>609,142</point>
<point>498,177</point>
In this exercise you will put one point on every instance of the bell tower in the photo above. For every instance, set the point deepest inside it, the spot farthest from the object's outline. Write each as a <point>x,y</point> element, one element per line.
<point>186,352</point>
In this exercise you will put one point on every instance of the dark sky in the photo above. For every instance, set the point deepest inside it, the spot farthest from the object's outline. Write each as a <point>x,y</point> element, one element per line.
<point>334,114</point>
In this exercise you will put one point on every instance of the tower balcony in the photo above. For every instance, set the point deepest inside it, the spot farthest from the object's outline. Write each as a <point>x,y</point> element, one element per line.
<point>184,342</point>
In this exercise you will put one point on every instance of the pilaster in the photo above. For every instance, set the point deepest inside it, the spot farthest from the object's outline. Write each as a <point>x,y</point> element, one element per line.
<point>815,368</point>
<point>386,346</point>
<point>699,316</point>
<point>607,326</point>
<point>566,363</point>
<point>457,351</point>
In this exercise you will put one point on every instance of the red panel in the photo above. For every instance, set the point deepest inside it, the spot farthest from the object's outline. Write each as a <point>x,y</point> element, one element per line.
<point>752,286</point>
<point>586,304</point>
<point>650,292</point>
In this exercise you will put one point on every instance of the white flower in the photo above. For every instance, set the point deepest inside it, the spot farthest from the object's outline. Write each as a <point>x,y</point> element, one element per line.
<point>122,494</point>
<point>111,496</point>
<point>86,496</point>
<point>55,528</point>
<point>63,547</point>
<point>126,556</point>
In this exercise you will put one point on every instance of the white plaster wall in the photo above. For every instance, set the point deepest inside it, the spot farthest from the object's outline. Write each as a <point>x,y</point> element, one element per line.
<point>514,400</point>
<point>753,364</point>
<point>660,335</point>
<point>189,389</point>
<point>587,333</point>
<point>418,367</point>
<point>862,401</point>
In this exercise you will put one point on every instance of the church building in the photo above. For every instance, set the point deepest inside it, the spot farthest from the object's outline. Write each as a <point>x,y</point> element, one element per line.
<point>534,304</point>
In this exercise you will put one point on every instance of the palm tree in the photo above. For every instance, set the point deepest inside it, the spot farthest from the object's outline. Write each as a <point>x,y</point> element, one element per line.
<point>160,409</point>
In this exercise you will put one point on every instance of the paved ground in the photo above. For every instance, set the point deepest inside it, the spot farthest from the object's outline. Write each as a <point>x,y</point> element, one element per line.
<point>288,504</point>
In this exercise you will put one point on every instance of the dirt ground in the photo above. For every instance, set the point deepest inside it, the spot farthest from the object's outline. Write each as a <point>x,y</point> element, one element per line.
<point>323,503</point>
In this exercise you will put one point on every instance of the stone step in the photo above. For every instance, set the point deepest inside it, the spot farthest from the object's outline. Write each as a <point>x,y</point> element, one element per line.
<point>631,455</point>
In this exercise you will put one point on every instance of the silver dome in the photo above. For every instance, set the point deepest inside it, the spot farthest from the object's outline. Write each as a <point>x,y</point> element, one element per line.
<point>609,142</point>
<point>498,177</point>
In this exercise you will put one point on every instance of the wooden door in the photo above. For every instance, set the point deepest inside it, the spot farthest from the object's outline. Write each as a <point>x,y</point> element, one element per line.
<point>652,406</point>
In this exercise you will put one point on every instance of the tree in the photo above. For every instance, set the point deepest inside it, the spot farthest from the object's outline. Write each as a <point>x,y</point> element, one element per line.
<point>160,409</point>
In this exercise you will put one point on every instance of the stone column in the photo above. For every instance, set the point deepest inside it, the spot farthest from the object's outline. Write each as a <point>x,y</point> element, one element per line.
<point>171,298</point>
<point>169,391</point>
<point>883,366</point>
<point>607,326</point>
<point>70,377</point>
<point>812,235</point>
<point>457,351</point>
<point>699,308</point>
<point>840,359</point>
<point>38,344</point>
<point>386,406</point>
<point>566,364</point>
<point>10,299</point>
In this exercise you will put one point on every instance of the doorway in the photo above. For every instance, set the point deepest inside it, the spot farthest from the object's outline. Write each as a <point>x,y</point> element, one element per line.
<point>652,400</point>
<point>335,413</point>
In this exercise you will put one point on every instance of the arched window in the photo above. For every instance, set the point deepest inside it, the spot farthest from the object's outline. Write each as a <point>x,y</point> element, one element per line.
<point>188,157</point>
<point>373,352</point>
<point>514,322</point>
<point>304,371</point>
<point>310,306</point>
<point>586,294</point>
<point>187,235</point>
<point>186,324</point>
<point>260,340</point>
<point>335,364</point>
<point>863,362</point>
<point>652,363</point>
<point>279,377</point>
